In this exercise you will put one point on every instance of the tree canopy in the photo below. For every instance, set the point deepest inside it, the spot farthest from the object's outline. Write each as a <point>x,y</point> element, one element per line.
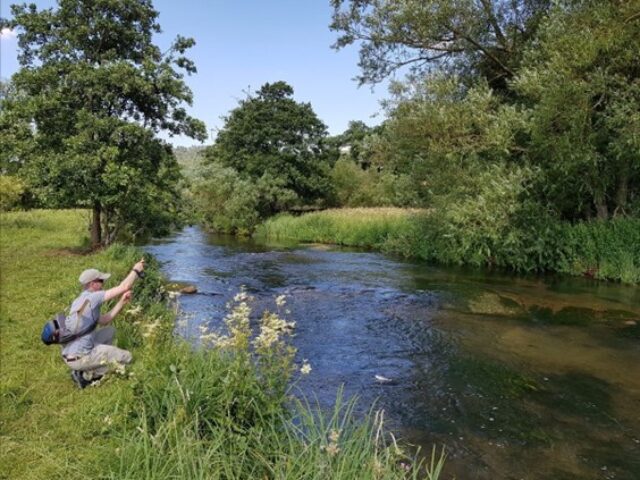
<point>272,138</point>
<point>581,85</point>
<point>97,91</point>
<point>485,38</point>
<point>544,92</point>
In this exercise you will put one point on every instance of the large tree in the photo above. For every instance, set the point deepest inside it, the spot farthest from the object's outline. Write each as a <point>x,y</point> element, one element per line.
<point>582,83</point>
<point>275,140</point>
<point>476,37</point>
<point>97,91</point>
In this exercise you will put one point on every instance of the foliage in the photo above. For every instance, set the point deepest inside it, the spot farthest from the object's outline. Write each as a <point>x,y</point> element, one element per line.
<point>498,228</point>
<point>273,139</point>
<point>355,187</point>
<point>11,189</point>
<point>442,136</point>
<point>190,161</point>
<point>97,90</point>
<point>606,250</point>
<point>15,131</point>
<point>582,84</point>
<point>354,143</point>
<point>490,223</point>
<point>226,202</point>
<point>517,118</point>
<point>483,39</point>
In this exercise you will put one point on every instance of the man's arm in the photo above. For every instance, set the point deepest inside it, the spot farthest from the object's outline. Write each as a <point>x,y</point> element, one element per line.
<point>127,283</point>
<point>108,317</point>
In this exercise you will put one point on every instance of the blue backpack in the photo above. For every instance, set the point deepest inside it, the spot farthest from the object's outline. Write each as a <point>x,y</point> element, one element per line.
<point>55,331</point>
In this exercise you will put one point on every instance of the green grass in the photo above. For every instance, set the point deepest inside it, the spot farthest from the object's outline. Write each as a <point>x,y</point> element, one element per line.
<point>48,428</point>
<point>361,227</point>
<point>177,413</point>
<point>604,250</point>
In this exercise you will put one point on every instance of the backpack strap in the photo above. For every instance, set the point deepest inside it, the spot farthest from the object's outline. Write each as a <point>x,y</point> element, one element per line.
<point>78,333</point>
<point>79,312</point>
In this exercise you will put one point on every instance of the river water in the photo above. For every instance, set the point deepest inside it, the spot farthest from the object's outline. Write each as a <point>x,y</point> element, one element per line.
<point>518,377</point>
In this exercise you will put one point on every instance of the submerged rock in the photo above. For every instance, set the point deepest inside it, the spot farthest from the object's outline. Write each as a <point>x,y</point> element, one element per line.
<point>189,289</point>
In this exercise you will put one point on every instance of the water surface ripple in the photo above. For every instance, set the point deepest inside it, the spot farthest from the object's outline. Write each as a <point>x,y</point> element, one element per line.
<point>519,377</point>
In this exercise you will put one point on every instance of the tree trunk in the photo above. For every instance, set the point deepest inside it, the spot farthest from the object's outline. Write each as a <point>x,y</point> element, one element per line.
<point>601,207</point>
<point>96,227</point>
<point>106,234</point>
<point>622,191</point>
<point>109,230</point>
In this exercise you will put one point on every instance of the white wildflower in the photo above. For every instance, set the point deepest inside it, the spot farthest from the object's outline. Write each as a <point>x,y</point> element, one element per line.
<point>241,296</point>
<point>305,369</point>
<point>119,368</point>
<point>332,448</point>
<point>134,311</point>
<point>150,328</point>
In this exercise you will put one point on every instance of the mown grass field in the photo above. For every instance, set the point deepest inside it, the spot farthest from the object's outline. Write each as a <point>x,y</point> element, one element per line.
<point>178,412</point>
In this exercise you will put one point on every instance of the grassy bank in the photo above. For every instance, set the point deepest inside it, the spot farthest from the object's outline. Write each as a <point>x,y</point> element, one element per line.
<point>604,250</point>
<point>361,227</point>
<point>222,412</point>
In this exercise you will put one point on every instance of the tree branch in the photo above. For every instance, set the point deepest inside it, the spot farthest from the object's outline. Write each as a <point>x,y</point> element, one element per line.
<point>490,55</point>
<point>633,17</point>
<point>488,8</point>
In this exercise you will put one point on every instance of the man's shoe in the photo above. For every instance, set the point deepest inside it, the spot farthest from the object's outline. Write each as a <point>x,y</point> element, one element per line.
<point>79,380</point>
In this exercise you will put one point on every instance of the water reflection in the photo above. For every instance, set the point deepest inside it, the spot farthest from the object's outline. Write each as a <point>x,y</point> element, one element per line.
<point>521,377</point>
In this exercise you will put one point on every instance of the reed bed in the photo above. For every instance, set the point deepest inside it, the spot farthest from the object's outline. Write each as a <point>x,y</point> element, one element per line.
<point>361,227</point>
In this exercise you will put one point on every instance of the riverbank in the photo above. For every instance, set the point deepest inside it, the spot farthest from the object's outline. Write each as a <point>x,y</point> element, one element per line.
<point>176,412</point>
<point>602,250</point>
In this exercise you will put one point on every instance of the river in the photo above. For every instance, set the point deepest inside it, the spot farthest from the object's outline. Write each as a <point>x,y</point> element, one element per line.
<point>519,377</point>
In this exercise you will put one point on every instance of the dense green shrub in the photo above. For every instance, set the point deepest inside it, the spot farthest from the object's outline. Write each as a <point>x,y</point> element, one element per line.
<point>11,189</point>
<point>225,202</point>
<point>355,187</point>
<point>602,249</point>
<point>530,240</point>
<point>228,202</point>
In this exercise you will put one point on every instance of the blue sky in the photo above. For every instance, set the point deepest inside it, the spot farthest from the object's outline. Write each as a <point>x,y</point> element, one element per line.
<point>242,44</point>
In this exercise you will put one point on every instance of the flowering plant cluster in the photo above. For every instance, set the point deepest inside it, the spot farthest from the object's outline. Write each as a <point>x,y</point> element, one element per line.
<point>268,348</point>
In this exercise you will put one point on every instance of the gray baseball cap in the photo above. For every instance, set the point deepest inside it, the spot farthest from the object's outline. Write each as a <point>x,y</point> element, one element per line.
<point>92,274</point>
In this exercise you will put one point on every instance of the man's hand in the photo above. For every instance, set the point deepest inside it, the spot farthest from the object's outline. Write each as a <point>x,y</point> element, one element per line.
<point>126,297</point>
<point>139,266</point>
<point>127,283</point>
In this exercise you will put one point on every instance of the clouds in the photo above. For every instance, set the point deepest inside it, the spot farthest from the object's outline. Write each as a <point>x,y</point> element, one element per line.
<point>7,34</point>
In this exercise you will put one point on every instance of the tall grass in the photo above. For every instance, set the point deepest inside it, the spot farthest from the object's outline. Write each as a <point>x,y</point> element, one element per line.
<point>226,412</point>
<point>535,242</point>
<point>178,412</point>
<point>363,227</point>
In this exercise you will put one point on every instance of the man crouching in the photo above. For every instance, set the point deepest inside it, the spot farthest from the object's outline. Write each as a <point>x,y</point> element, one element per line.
<point>92,355</point>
